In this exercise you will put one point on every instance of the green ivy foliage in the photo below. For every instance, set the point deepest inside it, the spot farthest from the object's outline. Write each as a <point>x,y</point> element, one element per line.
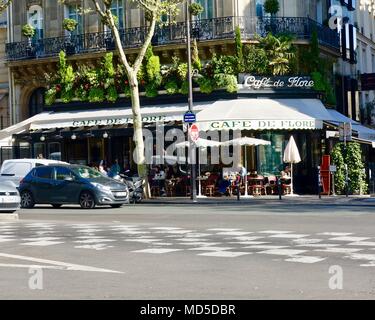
<point>107,81</point>
<point>256,60</point>
<point>239,51</point>
<point>352,157</point>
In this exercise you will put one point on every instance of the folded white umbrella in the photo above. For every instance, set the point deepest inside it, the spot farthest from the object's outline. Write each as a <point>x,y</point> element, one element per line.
<point>246,141</point>
<point>291,155</point>
<point>200,143</point>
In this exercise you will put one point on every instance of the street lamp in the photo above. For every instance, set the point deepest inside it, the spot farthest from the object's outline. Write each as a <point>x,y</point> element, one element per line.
<point>192,149</point>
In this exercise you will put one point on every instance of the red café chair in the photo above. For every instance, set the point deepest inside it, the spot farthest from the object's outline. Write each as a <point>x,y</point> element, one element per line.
<point>271,185</point>
<point>257,187</point>
<point>210,185</point>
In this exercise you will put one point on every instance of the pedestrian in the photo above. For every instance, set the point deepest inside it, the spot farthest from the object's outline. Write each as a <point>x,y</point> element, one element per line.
<point>101,168</point>
<point>115,169</point>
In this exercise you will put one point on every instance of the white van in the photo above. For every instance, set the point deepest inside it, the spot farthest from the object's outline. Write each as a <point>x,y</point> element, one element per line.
<point>15,170</point>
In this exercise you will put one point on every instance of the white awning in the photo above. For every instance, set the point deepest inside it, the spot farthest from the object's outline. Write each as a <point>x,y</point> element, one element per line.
<point>264,114</point>
<point>114,116</point>
<point>363,132</point>
<point>99,117</point>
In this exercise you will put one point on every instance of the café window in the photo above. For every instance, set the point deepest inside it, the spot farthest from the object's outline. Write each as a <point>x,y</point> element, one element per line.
<point>39,149</point>
<point>35,18</point>
<point>54,151</point>
<point>270,158</point>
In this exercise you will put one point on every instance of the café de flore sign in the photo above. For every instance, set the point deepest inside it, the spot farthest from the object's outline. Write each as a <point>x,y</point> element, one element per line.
<point>251,82</point>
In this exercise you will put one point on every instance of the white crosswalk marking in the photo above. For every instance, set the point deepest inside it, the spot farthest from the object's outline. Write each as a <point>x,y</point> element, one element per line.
<point>290,246</point>
<point>157,251</point>
<point>224,254</point>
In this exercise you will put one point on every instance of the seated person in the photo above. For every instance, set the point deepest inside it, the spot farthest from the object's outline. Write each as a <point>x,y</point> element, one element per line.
<point>285,175</point>
<point>224,184</point>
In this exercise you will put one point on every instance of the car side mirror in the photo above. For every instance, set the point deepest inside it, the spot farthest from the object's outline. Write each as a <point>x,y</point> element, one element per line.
<point>69,179</point>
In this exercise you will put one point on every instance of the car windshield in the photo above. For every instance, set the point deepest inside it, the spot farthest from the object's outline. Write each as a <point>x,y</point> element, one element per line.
<point>87,173</point>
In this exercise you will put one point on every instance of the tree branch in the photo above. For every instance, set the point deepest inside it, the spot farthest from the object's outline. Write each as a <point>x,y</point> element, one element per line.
<point>4,4</point>
<point>98,9</point>
<point>142,52</point>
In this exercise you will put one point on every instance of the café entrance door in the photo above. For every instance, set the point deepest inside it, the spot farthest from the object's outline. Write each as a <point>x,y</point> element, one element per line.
<point>96,151</point>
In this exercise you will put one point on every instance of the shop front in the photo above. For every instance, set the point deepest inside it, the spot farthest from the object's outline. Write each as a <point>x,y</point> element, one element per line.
<point>269,109</point>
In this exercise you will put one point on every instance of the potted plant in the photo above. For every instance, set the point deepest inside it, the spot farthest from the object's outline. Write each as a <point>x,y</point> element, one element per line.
<point>29,31</point>
<point>69,25</point>
<point>272,7</point>
<point>195,10</point>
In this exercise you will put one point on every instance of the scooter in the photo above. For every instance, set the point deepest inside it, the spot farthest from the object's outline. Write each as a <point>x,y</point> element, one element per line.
<point>135,186</point>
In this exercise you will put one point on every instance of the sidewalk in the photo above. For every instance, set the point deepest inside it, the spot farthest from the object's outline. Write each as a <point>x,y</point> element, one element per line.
<point>295,200</point>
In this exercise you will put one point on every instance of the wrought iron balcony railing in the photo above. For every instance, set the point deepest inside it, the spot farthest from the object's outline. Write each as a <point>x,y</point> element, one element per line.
<point>202,30</point>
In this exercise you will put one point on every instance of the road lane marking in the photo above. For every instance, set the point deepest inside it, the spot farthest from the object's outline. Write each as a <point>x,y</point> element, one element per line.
<point>349,239</point>
<point>306,259</point>
<point>283,252</point>
<point>224,254</point>
<point>66,266</point>
<point>289,236</point>
<point>157,251</point>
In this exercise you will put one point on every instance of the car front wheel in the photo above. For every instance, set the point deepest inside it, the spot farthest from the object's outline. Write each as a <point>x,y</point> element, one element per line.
<point>27,200</point>
<point>87,200</point>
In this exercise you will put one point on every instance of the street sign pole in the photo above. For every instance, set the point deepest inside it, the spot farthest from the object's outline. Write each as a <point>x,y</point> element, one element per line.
<point>346,166</point>
<point>193,173</point>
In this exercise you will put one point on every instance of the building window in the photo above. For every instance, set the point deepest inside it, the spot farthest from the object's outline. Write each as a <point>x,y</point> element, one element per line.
<point>72,12</point>
<point>117,10</point>
<point>35,18</point>
<point>36,102</point>
<point>259,7</point>
<point>208,6</point>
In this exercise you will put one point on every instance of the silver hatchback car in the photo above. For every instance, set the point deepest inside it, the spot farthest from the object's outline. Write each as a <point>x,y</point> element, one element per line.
<point>9,197</point>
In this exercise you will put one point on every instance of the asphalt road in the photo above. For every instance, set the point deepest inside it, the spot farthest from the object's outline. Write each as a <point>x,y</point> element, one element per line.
<point>263,251</point>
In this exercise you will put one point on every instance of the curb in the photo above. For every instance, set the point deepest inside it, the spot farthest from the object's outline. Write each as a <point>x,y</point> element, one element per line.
<point>366,202</point>
<point>9,216</point>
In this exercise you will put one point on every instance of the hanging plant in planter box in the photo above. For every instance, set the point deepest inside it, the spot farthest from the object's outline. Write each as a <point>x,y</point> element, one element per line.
<point>70,24</point>
<point>28,30</point>
<point>195,9</point>
<point>272,7</point>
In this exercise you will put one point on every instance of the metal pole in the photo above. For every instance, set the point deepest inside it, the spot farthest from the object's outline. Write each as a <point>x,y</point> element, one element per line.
<point>319,183</point>
<point>333,185</point>
<point>193,172</point>
<point>346,166</point>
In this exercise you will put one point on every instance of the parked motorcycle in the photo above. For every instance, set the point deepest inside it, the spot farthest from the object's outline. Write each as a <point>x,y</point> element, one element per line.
<point>135,186</point>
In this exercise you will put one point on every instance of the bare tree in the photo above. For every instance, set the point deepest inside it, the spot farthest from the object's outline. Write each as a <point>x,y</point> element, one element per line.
<point>154,10</point>
<point>4,4</point>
